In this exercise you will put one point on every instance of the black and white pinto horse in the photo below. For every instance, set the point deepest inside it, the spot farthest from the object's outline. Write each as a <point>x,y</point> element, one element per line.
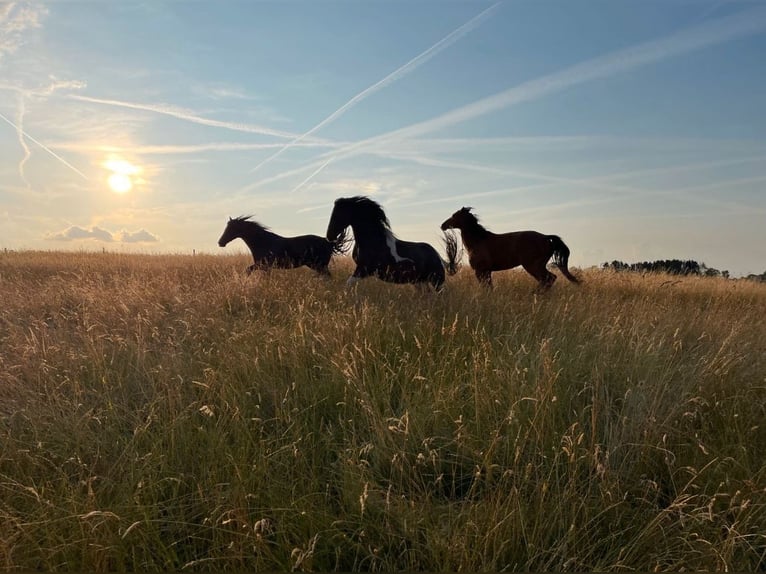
<point>274,251</point>
<point>377,251</point>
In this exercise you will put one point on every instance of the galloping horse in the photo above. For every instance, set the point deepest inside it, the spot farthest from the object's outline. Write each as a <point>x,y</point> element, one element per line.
<point>378,252</point>
<point>272,250</point>
<point>488,252</point>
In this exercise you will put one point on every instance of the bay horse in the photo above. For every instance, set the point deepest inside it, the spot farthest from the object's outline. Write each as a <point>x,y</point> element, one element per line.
<point>270,250</point>
<point>378,252</point>
<point>488,252</point>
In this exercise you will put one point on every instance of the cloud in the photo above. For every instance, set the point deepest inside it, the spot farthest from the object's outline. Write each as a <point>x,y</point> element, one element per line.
<point>76,233</point>
<point>15,19</point>
<point>95,233</point>
<point>140,236</point>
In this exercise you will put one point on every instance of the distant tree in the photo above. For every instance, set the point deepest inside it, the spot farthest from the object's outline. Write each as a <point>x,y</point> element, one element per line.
<point>615,265</point>
<point>671,266</point>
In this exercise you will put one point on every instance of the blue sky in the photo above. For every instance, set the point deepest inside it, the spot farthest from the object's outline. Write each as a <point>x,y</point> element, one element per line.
<point>633,129</point>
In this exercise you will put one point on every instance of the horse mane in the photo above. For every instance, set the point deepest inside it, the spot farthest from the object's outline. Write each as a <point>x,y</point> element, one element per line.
<point>249,222</point>
<point>366,209</point>
<point>473,222</point>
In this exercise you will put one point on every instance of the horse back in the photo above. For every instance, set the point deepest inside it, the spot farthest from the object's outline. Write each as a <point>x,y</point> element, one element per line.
<point>417,251</point>
<point>507,250</point>
<point>302,250</point>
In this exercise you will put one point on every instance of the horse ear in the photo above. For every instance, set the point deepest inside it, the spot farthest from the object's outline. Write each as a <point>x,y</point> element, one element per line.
<point>230,219</point>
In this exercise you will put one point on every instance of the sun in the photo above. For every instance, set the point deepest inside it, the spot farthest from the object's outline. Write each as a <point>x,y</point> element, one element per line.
<point>120,183</point>
<point>122,176</point>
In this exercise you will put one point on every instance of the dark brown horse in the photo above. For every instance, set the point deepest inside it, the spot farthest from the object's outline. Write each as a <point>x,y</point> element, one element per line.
<point>488,252</point>
<point>272,250</point>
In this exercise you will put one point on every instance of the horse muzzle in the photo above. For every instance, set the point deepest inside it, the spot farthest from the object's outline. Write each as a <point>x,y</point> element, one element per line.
<point>446,225</point>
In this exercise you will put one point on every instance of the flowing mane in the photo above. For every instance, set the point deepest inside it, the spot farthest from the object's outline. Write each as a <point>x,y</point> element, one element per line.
<point>247,221</point>
<point>377,251</point>
<point>365,210</point>
<point>471,222</point>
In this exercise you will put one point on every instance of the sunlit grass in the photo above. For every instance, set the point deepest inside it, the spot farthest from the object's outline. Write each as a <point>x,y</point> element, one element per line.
<point>162,412</point>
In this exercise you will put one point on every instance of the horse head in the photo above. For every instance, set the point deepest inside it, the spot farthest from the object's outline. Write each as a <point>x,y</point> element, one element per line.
<point>340,219</point>
<point>228,234</point>
<point>234,229</point>
<point>459,219</point>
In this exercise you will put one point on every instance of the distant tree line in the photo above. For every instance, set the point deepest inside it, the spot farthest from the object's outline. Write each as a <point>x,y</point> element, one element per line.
<point>671,266</point>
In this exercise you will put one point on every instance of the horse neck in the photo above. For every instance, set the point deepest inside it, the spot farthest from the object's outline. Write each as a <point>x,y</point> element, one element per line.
<point>258,239</point>
<point>370,237</point>
<point>473,234</point>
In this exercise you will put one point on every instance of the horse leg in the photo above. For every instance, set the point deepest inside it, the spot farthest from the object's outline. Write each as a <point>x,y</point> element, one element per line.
<point>249,270</point>
<point>484,277</point>
<point>538,270</point>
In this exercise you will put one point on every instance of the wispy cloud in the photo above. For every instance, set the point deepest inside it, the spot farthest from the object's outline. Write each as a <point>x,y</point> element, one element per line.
<point>20,111</point>
<point>181,149</point>
<point>397,74</point>
<point>187,115</point>
<point>48,89</point>
<point>16,18</point>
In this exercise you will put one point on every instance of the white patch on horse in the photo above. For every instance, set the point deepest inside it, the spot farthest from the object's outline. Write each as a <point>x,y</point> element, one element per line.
<point>391,242</point>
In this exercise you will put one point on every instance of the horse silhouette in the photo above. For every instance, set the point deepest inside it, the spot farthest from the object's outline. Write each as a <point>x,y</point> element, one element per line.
<point>378,252</point>
<point>488,252</point>
<point>270,250</point>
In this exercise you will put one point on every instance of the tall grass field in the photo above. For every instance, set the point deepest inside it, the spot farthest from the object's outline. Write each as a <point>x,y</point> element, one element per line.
<point>168,412</point>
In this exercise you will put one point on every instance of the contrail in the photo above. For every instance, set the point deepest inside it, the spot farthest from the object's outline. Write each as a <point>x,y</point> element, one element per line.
<point>400,72</point>
<point>22,142</point>
<point>186,115</point>
<point>309,178</point>
<point>182,149</point>
<point>710,33</point>
<point>50,151</point>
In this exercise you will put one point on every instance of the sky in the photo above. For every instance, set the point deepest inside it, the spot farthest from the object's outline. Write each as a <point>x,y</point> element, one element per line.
<point>633,129</point>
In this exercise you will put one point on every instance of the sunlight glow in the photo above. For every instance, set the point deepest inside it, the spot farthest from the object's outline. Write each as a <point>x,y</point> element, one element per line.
<point>123,172</point>
<point>120,183</point>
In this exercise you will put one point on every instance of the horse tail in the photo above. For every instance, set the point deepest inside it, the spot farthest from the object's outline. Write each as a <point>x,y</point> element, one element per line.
<point>454,252</point>
<point>561,257</point>
<point>341,243</point>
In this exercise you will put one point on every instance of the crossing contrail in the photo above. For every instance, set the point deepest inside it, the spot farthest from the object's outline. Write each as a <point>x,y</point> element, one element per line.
<point>400,72</point>
<point>19,130</point>
<point>710,33</point>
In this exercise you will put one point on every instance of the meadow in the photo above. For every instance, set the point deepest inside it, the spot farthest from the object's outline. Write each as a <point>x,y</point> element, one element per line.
<point>164,412</point>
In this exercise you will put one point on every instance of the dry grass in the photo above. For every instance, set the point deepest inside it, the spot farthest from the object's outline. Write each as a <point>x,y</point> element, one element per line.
<point>165,412</point>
